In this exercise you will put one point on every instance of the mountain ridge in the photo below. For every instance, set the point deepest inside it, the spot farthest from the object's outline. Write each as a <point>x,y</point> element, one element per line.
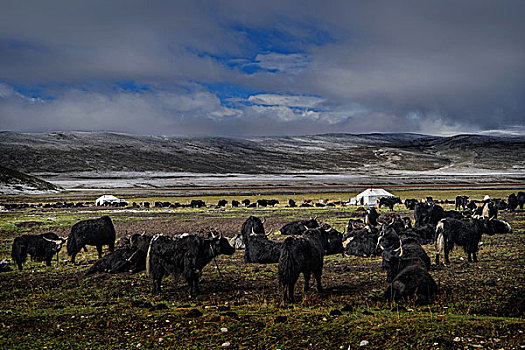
<point>62,152</point>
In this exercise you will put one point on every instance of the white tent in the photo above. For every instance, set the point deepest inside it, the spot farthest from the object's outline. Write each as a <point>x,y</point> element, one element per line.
<point>370,197</point>
<point>109,199</point>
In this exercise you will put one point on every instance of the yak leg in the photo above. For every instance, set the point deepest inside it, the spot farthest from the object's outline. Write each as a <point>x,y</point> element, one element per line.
<point>73,257</point>
<point>193,285</point>
<point>99,251</point>
<point>111,246</point>
<point>475,256</point>
<point>157,279</point>
<point>317,275</point>
<point>48,261</point>
<point>306,281</point>
<point>469,257</point>
<point>447,260</point>
<point>291,286</point>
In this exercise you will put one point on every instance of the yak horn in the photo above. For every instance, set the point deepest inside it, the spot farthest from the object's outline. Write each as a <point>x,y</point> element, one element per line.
<point>253,232</point>
<point>400,248</point>
<point>58,241</point>
<point>263,220</point>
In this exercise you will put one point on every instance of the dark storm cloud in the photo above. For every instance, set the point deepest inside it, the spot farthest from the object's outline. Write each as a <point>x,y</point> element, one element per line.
<point>309,67</point>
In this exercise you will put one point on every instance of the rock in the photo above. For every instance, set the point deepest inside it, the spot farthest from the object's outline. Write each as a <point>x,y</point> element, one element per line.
<point>363,343</point>
<point>193,313</point>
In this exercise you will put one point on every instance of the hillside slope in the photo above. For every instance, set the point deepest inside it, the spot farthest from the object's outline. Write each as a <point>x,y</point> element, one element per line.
<point>331,153</point>
<point>12,181</point>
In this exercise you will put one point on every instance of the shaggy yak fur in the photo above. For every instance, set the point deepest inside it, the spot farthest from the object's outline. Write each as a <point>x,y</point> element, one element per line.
<point>184,255</point>
<point>300,255</point>
<point>97,232</point>
<point>40,247</point>
<point>257,247</point>
<point>130,256</point>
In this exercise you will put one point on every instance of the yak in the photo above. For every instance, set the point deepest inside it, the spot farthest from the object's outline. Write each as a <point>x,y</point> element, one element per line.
<point>389,202</point>
<point>465,233</point>
<point>40,247</point>
<point>409,277</point>
<point>97,232</point>
<point>361,242</point>
<point>298,227</point>
<point>300,255</point>
<point>130,256</point>
<point>257,247</point>
<point>184,255</point>
<point>461,202</point>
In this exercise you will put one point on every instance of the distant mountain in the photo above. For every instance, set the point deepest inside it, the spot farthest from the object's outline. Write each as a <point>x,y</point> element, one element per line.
<point>12,181</point>
<point>64,152</point>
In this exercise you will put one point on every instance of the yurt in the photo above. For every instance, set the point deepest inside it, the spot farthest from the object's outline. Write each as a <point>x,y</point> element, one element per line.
<point>369,197</point>
<point>109,199</point>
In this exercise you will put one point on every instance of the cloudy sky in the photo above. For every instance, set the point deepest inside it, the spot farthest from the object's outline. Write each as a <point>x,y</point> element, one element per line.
<point>245,68</point>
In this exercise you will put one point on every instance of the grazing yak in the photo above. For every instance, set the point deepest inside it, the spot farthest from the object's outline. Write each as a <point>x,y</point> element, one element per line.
<point>466,234</point>
<point>409,276</point>
<point>389,202</point>
<point>300,255</point>
<point>97,232</point>
<point>130,256</point>
<point>298,227</point>
<point>461,202</point>
<point>40,247</point>
<point>184,255</point>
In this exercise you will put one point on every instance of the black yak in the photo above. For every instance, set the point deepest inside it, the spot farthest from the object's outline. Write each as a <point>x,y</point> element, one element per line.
<point>409,276</point>
<point>361,242</point>
<point>465,233</point>
<point>131,256</point>
<point>184,255</point>
<point>257,247</point>
<point>300,255</point>
<point>389,202</point>
<point>298,227</point>
<point>97,232</point>
<point>40,247</point>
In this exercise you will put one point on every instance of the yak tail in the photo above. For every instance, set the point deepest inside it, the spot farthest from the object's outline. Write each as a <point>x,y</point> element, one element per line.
<point>287,268</point>
<point>440,239</point>
<point>148,257</point>
<point>19,252</point>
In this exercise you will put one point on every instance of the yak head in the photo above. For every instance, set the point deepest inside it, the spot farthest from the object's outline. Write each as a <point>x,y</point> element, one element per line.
<point>391,262</point>
<point>221,245</point>
<point>387,239</point>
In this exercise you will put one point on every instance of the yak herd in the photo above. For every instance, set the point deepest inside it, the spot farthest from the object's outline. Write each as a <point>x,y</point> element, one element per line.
<point>302,251</point>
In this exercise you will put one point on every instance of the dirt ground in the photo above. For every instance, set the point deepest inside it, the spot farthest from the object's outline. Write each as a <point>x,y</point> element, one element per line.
<point>479,305</point>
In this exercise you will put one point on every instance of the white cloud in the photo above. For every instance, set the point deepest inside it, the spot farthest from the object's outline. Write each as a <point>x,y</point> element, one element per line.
<point>286,100</point>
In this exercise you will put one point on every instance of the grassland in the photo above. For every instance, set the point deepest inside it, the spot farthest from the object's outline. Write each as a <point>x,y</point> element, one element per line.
<point>480,305</point>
